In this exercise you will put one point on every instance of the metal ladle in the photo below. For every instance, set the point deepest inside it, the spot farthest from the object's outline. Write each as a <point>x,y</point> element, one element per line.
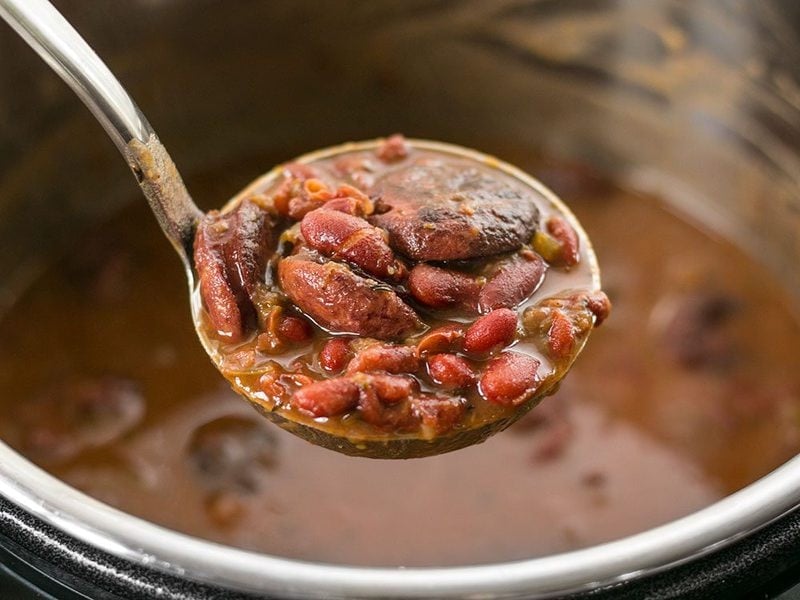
<point>66,52</point>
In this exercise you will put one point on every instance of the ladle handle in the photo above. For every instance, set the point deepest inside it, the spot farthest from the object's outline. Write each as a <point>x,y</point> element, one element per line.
<point>68,54</point>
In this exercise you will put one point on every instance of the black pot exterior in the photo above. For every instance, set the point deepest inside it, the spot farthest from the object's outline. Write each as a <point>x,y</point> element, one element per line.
<point>36,557</point>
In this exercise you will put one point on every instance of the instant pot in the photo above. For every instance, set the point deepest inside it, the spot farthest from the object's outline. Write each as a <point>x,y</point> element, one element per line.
<point>698,101</point>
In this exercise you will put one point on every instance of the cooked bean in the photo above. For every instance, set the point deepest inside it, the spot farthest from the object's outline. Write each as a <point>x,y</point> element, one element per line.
<point>600,306</point>
<point>567,238</point>
<point>379,404</point>
<point>450,371</point>
<point>510,379</point>
<point>342,301</point>
<point>443,288</point>
<point>393,149</point>
<point>513,282</point>
<point>230,255</point>
<point>447,338</point>
<point>335,354</point>
<point>294,329</point>
<point>327,398</point>
<point>350,238</point>
<point>497,329</point>
<point>560,336</point>
<point>390,389</point>
<point>384,357</point>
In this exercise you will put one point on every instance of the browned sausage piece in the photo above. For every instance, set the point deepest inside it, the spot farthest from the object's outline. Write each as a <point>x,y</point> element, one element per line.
<point>344,302</point>
<point>513,282</point>
<point>230,255</point>
<point>437,211</point>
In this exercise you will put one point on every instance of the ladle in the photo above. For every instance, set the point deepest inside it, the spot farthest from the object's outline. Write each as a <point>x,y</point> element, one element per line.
<point>65,51</point>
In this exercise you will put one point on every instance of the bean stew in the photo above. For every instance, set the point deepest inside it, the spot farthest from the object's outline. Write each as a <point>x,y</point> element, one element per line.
<point>395,292</point>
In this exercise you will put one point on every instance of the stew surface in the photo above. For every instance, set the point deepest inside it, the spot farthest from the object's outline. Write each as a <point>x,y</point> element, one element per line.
<point>689,392</point>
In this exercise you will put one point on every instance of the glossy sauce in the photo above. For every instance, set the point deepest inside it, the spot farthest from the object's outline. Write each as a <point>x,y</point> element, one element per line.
<point>688,393</point>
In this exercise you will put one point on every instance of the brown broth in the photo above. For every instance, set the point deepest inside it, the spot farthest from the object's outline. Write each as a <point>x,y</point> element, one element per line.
<point>646,428</point>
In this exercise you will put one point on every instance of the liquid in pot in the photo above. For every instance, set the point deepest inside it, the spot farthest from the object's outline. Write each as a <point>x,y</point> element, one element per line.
<point>688,393</point>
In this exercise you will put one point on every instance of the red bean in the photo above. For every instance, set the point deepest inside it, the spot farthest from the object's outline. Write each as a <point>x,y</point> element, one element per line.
<point>230,254</point>
<point>384,357</point>
<point>513,282</point>
<point>497,329</point>
<point>390,389</point>
<point>447,338</point>
<point>340,300</point>
<point>443,288</point>
<point>600,306</point>
<point>567,238</point>
<point>450,371</point>
<point>327,398</point>
<point>335,354</point>
<point>560,336</point>
<point>510,379</point>
<point>394,148</point>
<point>344,236</point>
<point>294,329</point>
<point>379,403</point>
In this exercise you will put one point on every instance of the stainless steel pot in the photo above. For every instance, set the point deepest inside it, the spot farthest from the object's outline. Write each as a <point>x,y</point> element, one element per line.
<point>699,101</point>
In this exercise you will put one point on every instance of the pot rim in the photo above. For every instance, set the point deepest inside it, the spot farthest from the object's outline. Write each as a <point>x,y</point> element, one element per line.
<point>153,546</point>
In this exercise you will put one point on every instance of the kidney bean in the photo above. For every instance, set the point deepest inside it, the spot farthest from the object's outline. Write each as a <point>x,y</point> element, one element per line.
<point>510,379</point>
<point>327,398</point>
<point>294,329</point>
<point>269,341</point>
<point>442,339</point>
<point>443,288</point>
<point>346,237</point>
<point>301,171</point>
<point>390,389</point>
<point>335,354</point>
<point>497,329</point>
<point>450,371</point>
<point>339,300</point>
<point>351,200</point>
<point>393,149</point>
<point>230,255</point>
<point>513,282</point>
<point>600,306</point>
<point>384,357</point>
<point>560,336</point>
<point>384,401</point>
<point>567,238</point>
<point>219,298</point>
<point>439,414</point>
